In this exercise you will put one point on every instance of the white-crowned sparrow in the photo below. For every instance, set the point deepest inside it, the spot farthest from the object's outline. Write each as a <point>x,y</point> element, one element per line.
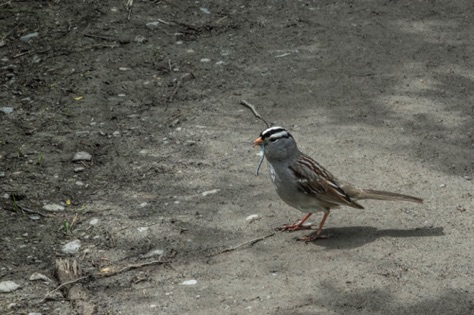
<point>307,186</point>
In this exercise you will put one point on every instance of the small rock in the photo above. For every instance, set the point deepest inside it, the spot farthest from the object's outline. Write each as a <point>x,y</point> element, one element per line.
<point>8,286</point>
<point>79,169</point>
<point>205,60</point>
<point>82,134</point>
<point>53,207</point>
<point>79,183</point>
<point>82,156</point>
<point>116,133</point>
<point>143,204</point>
<point>11,306</point>
<point>6,110</point>
<point>39,276</point>
<point>142,229</point>
<point>210,192</point>
<point>143,152</point>
<point>152,253</point>
<point>2,174</point>
<point>26,38</point>
<point>189,282</point>
<point>140,39</point>
<point>252,218</point>
<point>442,185</point>
<point>94,221</point>
<point>34,313</point>
<point>71,248</point>
<point>35,217</point>
<point>153,25</point>
<point>190,143</point>
<point>124,69</point>
<point>205,10</point>
<point>465,177</point>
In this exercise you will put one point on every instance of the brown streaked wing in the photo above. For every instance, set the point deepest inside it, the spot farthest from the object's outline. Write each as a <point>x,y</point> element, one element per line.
<point>313,179</point>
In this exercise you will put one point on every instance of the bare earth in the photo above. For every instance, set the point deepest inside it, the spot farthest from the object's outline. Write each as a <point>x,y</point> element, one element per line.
<point>379,92</point>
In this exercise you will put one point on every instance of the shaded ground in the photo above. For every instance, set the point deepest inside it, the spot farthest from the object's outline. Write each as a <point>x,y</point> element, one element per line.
<point>379,92</point>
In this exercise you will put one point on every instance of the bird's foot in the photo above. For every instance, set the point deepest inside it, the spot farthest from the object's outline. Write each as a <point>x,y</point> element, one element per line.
<point>313,236</point>
<point>294,227</point>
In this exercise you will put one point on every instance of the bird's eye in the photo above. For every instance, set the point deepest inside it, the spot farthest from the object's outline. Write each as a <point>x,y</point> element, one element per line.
<point>273,139</point>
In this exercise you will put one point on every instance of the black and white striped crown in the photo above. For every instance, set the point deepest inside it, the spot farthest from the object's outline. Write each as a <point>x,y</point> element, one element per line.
<point>274,133</point>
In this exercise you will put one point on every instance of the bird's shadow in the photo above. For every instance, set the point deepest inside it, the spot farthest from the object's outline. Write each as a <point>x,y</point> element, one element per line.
<point>356,236</point>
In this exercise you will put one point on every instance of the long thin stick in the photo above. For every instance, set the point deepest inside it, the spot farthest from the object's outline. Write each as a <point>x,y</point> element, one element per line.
<point>250,243</point>
<point>134,266</point>
<point>254,111</point>
<point>62,285</point>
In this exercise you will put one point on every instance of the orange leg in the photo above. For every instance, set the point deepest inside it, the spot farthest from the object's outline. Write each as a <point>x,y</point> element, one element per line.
<point>314,236</point>
<point>298,225</point>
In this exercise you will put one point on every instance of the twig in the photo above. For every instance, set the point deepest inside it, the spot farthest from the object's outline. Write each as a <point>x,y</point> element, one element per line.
<point>24,209</point>
<point>134,266</point>
<point>11,31</point>
<point>250,243</point>
<point>107,38</point>
<point>163,21</point>
<point>129,8</point>
<point>178,84</point>
<point>62,285</point>
<point>254,111</point>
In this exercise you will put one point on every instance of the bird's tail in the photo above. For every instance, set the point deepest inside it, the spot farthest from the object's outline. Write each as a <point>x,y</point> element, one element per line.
<point>385,195</point>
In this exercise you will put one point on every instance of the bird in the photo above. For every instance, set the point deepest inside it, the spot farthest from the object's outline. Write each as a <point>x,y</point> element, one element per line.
<point>304,184</point>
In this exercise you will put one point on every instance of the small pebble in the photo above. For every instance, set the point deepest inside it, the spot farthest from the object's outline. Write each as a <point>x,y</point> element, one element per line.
<point>152,253</point>
<point>82,134</point>
<point>153,25</point>
<point>252,218</point>
<point>465,177</point>
<point>442,185</point>
<point>53,207</point>
<point>71,248</point>
<point>143,204</point>
<point>116,133</point>
<point>39,276</point>
<point>94,221</point>
<point>6,110</point>
<point>79,183</point>
<point>82,156</point>
<point>205,60</point>
<point>8,286</point>
<point>142,229</point>
<point>205,10</point>
<point>26,38</point>
<point>189,282</point>
<point>210,192</point>
<point>79,169</point>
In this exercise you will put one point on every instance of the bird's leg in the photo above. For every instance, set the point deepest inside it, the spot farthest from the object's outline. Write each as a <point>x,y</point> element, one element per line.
<point>296,226</point>
<point>314,236</point>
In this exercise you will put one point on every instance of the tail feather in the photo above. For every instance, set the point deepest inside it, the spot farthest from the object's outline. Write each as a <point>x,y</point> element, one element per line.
<point>385,195</point>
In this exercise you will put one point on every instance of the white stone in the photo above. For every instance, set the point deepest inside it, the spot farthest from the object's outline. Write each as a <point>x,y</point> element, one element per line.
<point>94,221</point>
<point>53,207</point>
<point>8,286</point>
<point>210,192</point>
<point>39,276</point>
<point>82,156</point>
<point>189,282</point>
<point>252,218</point>
<point>71,248</point>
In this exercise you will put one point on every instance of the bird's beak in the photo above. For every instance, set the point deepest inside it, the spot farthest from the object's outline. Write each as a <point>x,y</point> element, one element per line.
<point>258,141</point>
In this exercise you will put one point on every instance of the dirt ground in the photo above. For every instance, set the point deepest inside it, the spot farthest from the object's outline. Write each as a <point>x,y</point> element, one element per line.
<point>379,92</point>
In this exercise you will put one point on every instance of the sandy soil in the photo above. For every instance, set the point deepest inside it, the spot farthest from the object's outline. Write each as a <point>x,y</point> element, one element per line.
<point>379,92</point>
